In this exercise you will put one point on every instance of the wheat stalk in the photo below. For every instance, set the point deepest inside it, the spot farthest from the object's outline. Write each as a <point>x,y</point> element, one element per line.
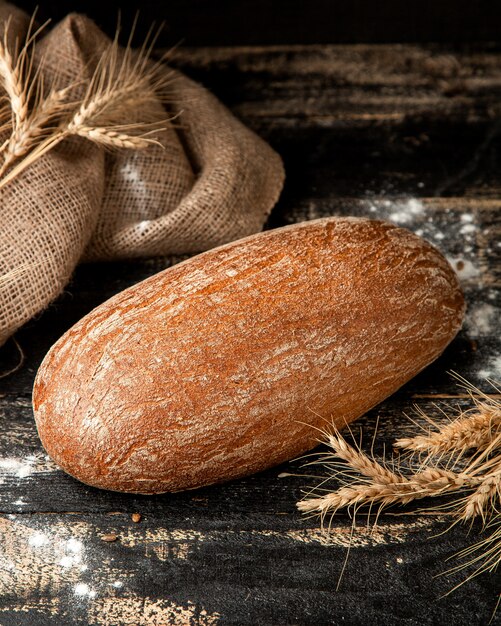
<point>483,500</point>
<point>366,481</point>
<point>12,78</point>
<point>359,461</point>
<point>35,126</point>
<point>112,138</point>
<point>473,429</point>
<point>383,486</point>
<point>124,83</point>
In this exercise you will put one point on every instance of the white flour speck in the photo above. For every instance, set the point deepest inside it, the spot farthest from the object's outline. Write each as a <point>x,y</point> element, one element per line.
<point>74,545</point>
<point>496,367</point>
<point>81,589</point>
<point>466,218</point>
<point>467,229</point>
<point>480,319</point>
<point>143,226</point>
<point>492,370</point>
<point>21,468</point>
<point>132,179</point>
<point>37,540</point>
<point>130,173</point>
<point>406,211</point>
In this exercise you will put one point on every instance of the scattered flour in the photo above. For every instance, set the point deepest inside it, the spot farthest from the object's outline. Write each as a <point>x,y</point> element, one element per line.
<point>480,319</point>
<point>468,229</point>
<point>37,540</point>
<point>405,212</point>
<point>138,189</point>
<point>22,467</point>
<point>73,545</point>
<point>411,213</point>
<point>492,370</point>
<point>81,589</point>
<point>143,226</point>
<point>130,173</point>
<point>414,214</point>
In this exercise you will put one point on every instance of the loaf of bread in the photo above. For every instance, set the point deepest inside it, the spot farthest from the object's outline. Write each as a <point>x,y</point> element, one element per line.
<point>227,363</point>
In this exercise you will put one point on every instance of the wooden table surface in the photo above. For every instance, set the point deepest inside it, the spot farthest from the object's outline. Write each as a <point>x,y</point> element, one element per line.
<point>405,133</point>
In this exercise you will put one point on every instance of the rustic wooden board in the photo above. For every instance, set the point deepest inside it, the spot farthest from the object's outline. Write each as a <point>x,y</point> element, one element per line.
<point>405,133</point>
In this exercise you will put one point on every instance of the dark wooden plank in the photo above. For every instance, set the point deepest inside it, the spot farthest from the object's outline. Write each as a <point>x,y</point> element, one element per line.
<point>351,121</point>
<point>57,569</point>
<point>163,575</point>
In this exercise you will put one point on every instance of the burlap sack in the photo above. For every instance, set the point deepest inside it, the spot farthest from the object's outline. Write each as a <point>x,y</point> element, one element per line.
<point>212,181</point>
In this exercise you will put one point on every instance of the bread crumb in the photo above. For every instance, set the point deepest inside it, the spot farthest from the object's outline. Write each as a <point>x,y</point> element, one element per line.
<point>109,538</point>
<point>136,517</point>
<point>465,269</point>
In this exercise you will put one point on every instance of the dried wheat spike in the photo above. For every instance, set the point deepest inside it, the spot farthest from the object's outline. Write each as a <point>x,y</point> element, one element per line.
<point>383,486</point>
<point>474,429</point>
<point>12,78</point>
<point>34,127</point>
<point>113,112</point>
<point>434,480</point>
<point>113,138</point>
<point>402,492</point>
<point>360,462</point>
<point>482,502</point>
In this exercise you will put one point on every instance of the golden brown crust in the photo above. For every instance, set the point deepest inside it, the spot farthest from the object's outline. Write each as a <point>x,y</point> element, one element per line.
<point>220,366</point>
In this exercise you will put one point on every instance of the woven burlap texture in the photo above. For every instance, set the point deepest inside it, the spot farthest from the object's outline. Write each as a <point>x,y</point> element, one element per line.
<point>212,181</point>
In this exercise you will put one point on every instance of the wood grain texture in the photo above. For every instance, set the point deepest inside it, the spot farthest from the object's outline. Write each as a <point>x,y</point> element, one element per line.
<point>429,158</point>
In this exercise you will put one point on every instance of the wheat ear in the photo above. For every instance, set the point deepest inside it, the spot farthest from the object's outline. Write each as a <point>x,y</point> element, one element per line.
<point>359,461</point>
<point>473,429</point>
<point>482,502</point>
<point>123,83</point>
<point>12,79</point>
<point>34,127</point>
<point>381,485</point>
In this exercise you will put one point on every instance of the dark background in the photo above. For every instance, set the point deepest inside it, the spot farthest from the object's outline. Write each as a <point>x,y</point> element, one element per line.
<point>267,22</point>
